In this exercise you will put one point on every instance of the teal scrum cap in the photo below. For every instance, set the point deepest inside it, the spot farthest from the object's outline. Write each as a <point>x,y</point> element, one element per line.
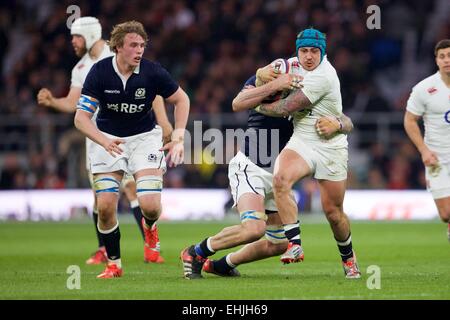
<point>311,38</point>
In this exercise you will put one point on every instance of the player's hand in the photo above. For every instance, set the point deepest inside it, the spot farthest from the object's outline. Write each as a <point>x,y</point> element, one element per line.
<point>288,82</point>
<point>45,97</point>
<point>327,126</point>
<point>266,74</point>
<point>112,146</point>
<point>429,158</point>
<point>175,154</point>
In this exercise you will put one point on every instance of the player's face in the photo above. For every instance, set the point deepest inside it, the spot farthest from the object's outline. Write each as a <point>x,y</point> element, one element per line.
<point>309,57</point>
<point>132,49</point>
<point>79,45</point>
<point>443,60</point>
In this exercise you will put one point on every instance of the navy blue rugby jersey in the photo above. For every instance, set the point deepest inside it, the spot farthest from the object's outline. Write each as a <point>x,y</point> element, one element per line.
<point>127,111</point>
<point>257,144</point>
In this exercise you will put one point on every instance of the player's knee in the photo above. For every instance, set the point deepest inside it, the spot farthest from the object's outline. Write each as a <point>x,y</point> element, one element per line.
<point>333,214</point>
<point>128,192</point>
<point>105,209</point>
<point>151,210</point>
<point>280,183</point>
<point>444,213</point>
<point>253,231</point>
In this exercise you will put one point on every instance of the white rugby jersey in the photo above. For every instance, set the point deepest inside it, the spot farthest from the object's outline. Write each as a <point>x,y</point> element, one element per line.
<point>81,69</point>
<point>430,99</point>
<point>322,87</point>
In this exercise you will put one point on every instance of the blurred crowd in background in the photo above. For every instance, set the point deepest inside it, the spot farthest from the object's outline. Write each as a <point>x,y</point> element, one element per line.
<point>211,47</point>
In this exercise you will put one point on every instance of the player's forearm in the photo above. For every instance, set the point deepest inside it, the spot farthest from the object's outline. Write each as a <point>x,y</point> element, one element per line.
<point>250,98</point>
<point>413,131</point>
<point>84,123</point>
<point>181,115</point>
<point>64,104</point>
<point>295,101</point>
<point>167,131</point>
<point>346,124</point>
<point>161,117</point>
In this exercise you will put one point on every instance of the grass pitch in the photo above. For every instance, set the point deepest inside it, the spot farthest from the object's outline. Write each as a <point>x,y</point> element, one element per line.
<point>413,257</point>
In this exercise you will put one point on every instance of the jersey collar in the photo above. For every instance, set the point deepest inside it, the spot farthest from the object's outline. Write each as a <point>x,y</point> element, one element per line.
<point>116,69</point>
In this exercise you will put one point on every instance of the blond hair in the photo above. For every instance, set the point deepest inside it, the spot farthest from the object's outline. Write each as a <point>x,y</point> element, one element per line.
<point>119,32</point>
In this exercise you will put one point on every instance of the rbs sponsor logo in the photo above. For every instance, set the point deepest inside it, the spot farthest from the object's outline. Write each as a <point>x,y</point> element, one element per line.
<point>125,107</point>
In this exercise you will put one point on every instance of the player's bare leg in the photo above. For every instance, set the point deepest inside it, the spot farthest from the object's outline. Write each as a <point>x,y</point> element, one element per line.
<point>107,190</point>
<point>252,227</point>
<point>99,256</point>
<point>289,168</point>
<point>258,250</point>
<point>443,205</point>
<point>148,189</point>
<point>129,189</point>
<point>332,198</point>
<point>249,230</point>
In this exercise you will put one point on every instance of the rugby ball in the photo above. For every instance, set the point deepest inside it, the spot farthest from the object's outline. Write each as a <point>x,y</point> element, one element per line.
<point>282,66</point>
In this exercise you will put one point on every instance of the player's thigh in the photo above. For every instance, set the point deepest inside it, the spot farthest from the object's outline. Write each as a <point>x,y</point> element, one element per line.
<point>332,194</point>
<point>438,182</point>
<point>106,186</point>
<point>145,152</point>
<point>91,183</point>
<point>274,219</point>
<point>128,186</point>
<point>248,184</point>
<point>148,188</point>
<point>289,168</point>
<point>250,201</point>
<point>331,164</point>
<point>275,233</point>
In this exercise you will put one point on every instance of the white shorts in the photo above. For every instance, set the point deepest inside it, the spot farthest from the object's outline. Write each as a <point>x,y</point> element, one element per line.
<point>89,142</point>
<point>325,163</point>
<point>140,152</point>
<point>247,177</point>
<point>438,181</point>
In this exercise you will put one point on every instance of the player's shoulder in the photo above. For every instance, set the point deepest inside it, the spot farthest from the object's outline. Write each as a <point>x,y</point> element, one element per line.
<point>149,64</point>
<point>106,62</point>
<point>82,63</point>
<point>151,68</point>
<point>103,66</point>
<point>324,73</point>
<point>428,83</point>
<point>326,67</point>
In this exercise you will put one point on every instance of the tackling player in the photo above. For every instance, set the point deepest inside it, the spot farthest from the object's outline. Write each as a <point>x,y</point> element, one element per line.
<point>126,137</point>
<point>430,101</point>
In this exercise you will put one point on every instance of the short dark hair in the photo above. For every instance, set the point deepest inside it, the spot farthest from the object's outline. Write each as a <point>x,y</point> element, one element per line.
<point>443,44</point>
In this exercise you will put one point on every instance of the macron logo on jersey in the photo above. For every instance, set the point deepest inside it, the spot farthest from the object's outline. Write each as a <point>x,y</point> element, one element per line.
<point>125,107</point>
<point>112,91</point>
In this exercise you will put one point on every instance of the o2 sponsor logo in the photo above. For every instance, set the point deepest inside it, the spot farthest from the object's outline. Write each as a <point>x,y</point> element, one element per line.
<point>447,117</point>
